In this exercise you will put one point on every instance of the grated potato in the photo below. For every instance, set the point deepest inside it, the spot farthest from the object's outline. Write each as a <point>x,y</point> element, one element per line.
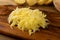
<point>27,19</point>
<point>48,1</point>
<point>41,2</point>
<point>20,1</point>
<point>33,2</point>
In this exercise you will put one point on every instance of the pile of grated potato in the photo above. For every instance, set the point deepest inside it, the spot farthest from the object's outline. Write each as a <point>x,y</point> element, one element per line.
<point>27,19</point>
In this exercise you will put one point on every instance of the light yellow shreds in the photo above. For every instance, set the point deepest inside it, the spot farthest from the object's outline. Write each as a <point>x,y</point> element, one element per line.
<point>27,19</point>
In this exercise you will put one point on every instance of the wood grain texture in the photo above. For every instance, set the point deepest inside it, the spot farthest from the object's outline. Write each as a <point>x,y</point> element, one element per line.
<point>50,33</point>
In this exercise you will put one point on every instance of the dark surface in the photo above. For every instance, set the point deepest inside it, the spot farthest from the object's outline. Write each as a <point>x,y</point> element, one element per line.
<point>50,33</point>
<point>2,37</point>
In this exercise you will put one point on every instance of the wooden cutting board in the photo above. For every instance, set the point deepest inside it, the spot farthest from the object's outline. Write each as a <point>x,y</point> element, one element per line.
<point>52,32</point>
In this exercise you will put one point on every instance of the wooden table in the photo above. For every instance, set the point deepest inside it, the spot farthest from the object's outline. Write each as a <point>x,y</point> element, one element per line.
<point>2,37</point>
<point>50,33</point>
